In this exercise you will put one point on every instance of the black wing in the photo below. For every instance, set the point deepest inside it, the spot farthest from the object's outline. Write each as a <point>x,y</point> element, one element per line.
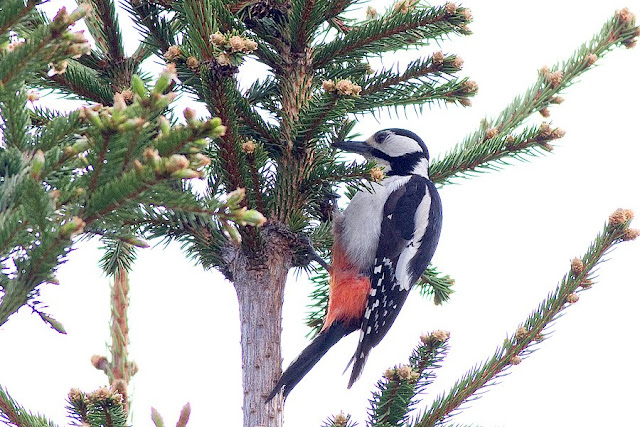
<point>410,209</point>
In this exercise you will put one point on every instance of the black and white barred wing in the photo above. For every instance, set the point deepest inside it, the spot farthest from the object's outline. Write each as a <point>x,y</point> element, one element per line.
<point>410,231</point>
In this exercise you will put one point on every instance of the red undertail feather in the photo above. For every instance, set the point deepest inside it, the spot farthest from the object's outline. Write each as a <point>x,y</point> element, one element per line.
<point>348,293</point>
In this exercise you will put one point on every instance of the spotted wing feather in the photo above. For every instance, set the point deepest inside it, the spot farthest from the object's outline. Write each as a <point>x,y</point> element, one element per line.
<point>411,224</point>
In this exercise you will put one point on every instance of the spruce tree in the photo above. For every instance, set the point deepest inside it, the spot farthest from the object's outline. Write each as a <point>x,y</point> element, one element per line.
<point>121,168</point>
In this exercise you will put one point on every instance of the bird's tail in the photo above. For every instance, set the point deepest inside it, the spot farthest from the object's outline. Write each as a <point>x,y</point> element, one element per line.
<point>309,357</point>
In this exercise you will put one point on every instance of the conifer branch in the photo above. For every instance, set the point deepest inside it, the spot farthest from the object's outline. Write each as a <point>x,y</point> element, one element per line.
<point>14,132</point>
<point>256,124</point>
<point>394,31</point>
<point>117,262</point>
<point>79,81</point>
<point>13,414</point>
<point>397,390</point>
<point>518,345</point>
<point>432,282</point>
<point>105,30</point>
<point>154,27</point>
<point>52,43</point>
<point>102,407</point>
<point>13,11</point>
<point>492,142</point>
<point>58,201</point>
<point>494,152</point>
<point>417,94</point>
<point>220,94</point>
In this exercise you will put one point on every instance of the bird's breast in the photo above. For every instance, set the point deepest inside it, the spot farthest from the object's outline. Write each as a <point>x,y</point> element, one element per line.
<point>358,227</point>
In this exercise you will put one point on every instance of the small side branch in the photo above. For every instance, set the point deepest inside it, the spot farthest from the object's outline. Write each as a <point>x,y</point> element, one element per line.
<point>518,345</point>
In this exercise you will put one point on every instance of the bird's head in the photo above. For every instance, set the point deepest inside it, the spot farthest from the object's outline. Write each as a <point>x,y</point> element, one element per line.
<point>397,151</point>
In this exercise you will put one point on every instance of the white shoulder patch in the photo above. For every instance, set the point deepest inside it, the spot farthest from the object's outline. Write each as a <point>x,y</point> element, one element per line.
<point>421,219</point>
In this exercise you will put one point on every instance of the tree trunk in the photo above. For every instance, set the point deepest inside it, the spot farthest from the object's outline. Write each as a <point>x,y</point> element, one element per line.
<point>259,280</point>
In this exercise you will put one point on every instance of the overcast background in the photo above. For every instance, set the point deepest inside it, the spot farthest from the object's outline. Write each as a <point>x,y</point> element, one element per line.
<point>508,238</point>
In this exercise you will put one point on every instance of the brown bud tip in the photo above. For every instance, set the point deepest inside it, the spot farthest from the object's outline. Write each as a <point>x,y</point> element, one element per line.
<point>450,8</point>
<point>620,216</point>
<point>99,362</point>
<point>591,59</point>
<point>558,133</point>
<point>405,6</point>
<point>200,160</point>
<point>249,146</point>
<point>177,162</point>
<point>137,165</point>
<point>127,94</point>
<point>33,96</point>
<point>249,45</point>
<point>192,62</point>
<point>223,59</point>
<point>185,412</point>
<point>630,43</point>
<point>466,13</point>
<point>515,360</point>
<point>521,332</point>
<point>577,267</point>
<point>346,87</point>
<point>491,133</point>
<point>440,335</point>
<point>371,13</point>
<point>217,39</point>
<point>118,101</point>
<point>75,395</point>
<point>557,100</point>
<point>545,130</point>
<point>572,298</point>
<point>544,112</point>
<point>555,78</point>
<point>465,102</point>
<point>172,53</point>
<point>544,71</point>
<point>470,86</point>
<point>404,372</point>
<point>390,373</point>
<point>189,114</point>
<point>328,85</point>
<point>236,43</point>
<point>625,15</point>
<point>438,58</point>
<point>376,174</point>
<point>457,63</point>
<point>341,419</point>
<point>630,234</point>
<point>586,283</point>
<point>100,394</point>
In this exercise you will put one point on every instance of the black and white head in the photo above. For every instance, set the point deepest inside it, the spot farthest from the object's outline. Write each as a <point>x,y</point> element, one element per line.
<point>397,151</point>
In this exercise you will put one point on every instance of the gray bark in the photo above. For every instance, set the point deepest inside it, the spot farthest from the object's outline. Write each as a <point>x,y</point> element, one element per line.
<point>259,280</point>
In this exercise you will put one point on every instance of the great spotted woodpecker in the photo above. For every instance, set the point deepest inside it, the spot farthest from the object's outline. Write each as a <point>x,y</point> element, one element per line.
<point>383,242</point>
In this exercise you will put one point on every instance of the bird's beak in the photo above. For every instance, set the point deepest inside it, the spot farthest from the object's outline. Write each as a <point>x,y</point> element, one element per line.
<point>358,147</point>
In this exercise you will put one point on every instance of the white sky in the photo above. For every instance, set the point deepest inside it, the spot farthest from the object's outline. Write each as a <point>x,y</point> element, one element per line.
<point>508,238</point>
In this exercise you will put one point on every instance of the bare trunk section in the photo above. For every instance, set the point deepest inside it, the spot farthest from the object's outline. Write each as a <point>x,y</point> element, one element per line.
<point>259,280</point>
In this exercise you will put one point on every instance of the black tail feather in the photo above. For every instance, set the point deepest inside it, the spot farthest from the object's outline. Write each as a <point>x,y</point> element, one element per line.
<point>309,357</point>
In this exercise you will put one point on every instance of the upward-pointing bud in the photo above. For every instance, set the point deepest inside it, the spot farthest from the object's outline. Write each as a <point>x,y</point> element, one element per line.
<point>37,163</point>
<point>138,87</point>
<point>235,197</point>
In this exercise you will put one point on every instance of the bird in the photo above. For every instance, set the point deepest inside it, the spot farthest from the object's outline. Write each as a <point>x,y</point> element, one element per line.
<point>383,242</point>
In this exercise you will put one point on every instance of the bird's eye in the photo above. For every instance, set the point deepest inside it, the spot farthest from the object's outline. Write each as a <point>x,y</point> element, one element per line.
<point>381,137</point>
